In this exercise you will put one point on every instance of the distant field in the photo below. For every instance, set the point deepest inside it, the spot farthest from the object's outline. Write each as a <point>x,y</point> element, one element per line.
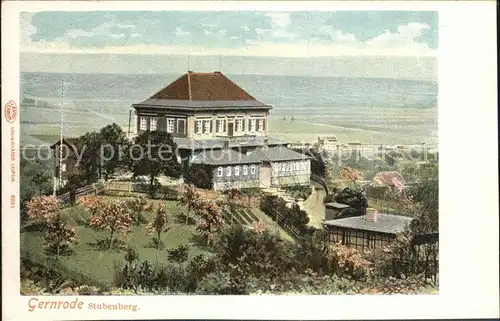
<point>400,126</point>
<point>373,111</point>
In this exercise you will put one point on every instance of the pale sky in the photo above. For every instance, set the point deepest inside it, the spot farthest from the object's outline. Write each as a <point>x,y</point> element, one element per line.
<point>406,36</point>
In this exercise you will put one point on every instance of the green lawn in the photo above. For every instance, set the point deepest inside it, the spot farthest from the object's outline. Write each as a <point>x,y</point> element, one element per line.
<point>100,265</point>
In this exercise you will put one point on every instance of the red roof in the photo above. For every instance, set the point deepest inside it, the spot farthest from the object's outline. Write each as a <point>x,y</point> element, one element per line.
<point>203,87</point>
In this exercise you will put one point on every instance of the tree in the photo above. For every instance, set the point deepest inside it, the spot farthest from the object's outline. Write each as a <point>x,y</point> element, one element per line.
<point>232,195</point>
<point>211,219</point>
<point>136,206</point>
<point>92,204</point>
<point>113,140</point>
<point>199,175</point>
<point>352,175</point>
<point>153,155</point>
<point>58,235</point>
<point>189,198</point>
<point>35,179</point>
<point>89,145</point>
<point>159,225</point>
<point>179,254</point>
<point>114,217</point>
<point>43,208</point>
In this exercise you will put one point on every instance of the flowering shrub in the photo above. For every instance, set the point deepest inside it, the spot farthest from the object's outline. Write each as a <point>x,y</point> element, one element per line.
<point>92,204</point>
<point>189,198</point>
<point>347,261</point>
<point>351,174</point>
<point>211,219</point>
<point>114,217</point>
<point>158,225</point>
<point>136,206</point>
<point>43,208</point>
<point>258,227</point>
<point>58,236</point>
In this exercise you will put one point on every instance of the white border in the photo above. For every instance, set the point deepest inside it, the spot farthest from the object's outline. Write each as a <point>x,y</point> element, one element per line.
<point>468,180</point>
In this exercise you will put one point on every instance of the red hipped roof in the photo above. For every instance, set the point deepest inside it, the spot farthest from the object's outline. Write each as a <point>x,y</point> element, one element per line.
<point>202,87</point>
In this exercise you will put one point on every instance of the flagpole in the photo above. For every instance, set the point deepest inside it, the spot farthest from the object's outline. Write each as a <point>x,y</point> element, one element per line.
<point>62,134</point>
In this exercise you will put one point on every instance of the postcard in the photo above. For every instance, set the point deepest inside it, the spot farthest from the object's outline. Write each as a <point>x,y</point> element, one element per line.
<point>248,160</point>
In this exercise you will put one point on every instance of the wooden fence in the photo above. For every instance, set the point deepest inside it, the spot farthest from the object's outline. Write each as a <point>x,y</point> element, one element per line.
<point>65,199</point>
<point>292,230</point>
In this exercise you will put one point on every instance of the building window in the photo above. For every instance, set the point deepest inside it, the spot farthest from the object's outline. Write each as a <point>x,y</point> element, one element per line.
<point>297,167</point>
<point>245,170</point>
<point>303,166</point>
<point>252,169</point>
<point>144,123</point>
<point>237,171</point>
<point>153,122</point>
<point>283,167</point>
<point>252,125</point>
<point>239,125</point>
<point>207,126</point>
<point>261,125</point>
<point>220,171</point>
<point>220,127</point>
<point>181,123</point>
<point>199,126</point>
<point>228,171</point>
<point>170,125</point>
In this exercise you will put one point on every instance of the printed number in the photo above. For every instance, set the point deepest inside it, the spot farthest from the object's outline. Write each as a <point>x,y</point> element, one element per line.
<point>12,201</point>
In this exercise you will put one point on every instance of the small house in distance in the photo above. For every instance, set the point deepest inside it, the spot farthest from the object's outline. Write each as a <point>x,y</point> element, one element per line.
<point>371,231</point>
<point>68,165</point>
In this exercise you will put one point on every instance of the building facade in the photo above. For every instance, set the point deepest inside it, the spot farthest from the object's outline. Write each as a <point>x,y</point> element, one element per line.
<point>372,231</point>
<point>203,106</point>
<point>216,123</point>
<point>68,165</point>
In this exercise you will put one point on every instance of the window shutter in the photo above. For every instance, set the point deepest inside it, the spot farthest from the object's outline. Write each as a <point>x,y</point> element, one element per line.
<point>263,124</point>
<point>243,125</point>
<point>217,125</point>
<point>224,124</point>
<point>180,128</point>
<point>162,124</point>
<point>211,126</point>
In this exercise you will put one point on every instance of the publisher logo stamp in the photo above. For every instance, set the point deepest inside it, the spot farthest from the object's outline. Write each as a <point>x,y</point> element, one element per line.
<point>10,111</point>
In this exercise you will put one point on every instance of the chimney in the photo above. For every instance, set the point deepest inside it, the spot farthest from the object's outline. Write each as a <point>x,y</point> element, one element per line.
<point>226,144</point>
<point>371,214</point>
<point>266,142</point>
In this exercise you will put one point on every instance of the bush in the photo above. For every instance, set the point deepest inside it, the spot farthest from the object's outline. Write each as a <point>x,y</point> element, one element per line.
<point>311,253</point>
<point>199,176</point>
<point>299,191</point>
<point>243,252</point>
<point>348,262</point>
<point>273,205</point>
